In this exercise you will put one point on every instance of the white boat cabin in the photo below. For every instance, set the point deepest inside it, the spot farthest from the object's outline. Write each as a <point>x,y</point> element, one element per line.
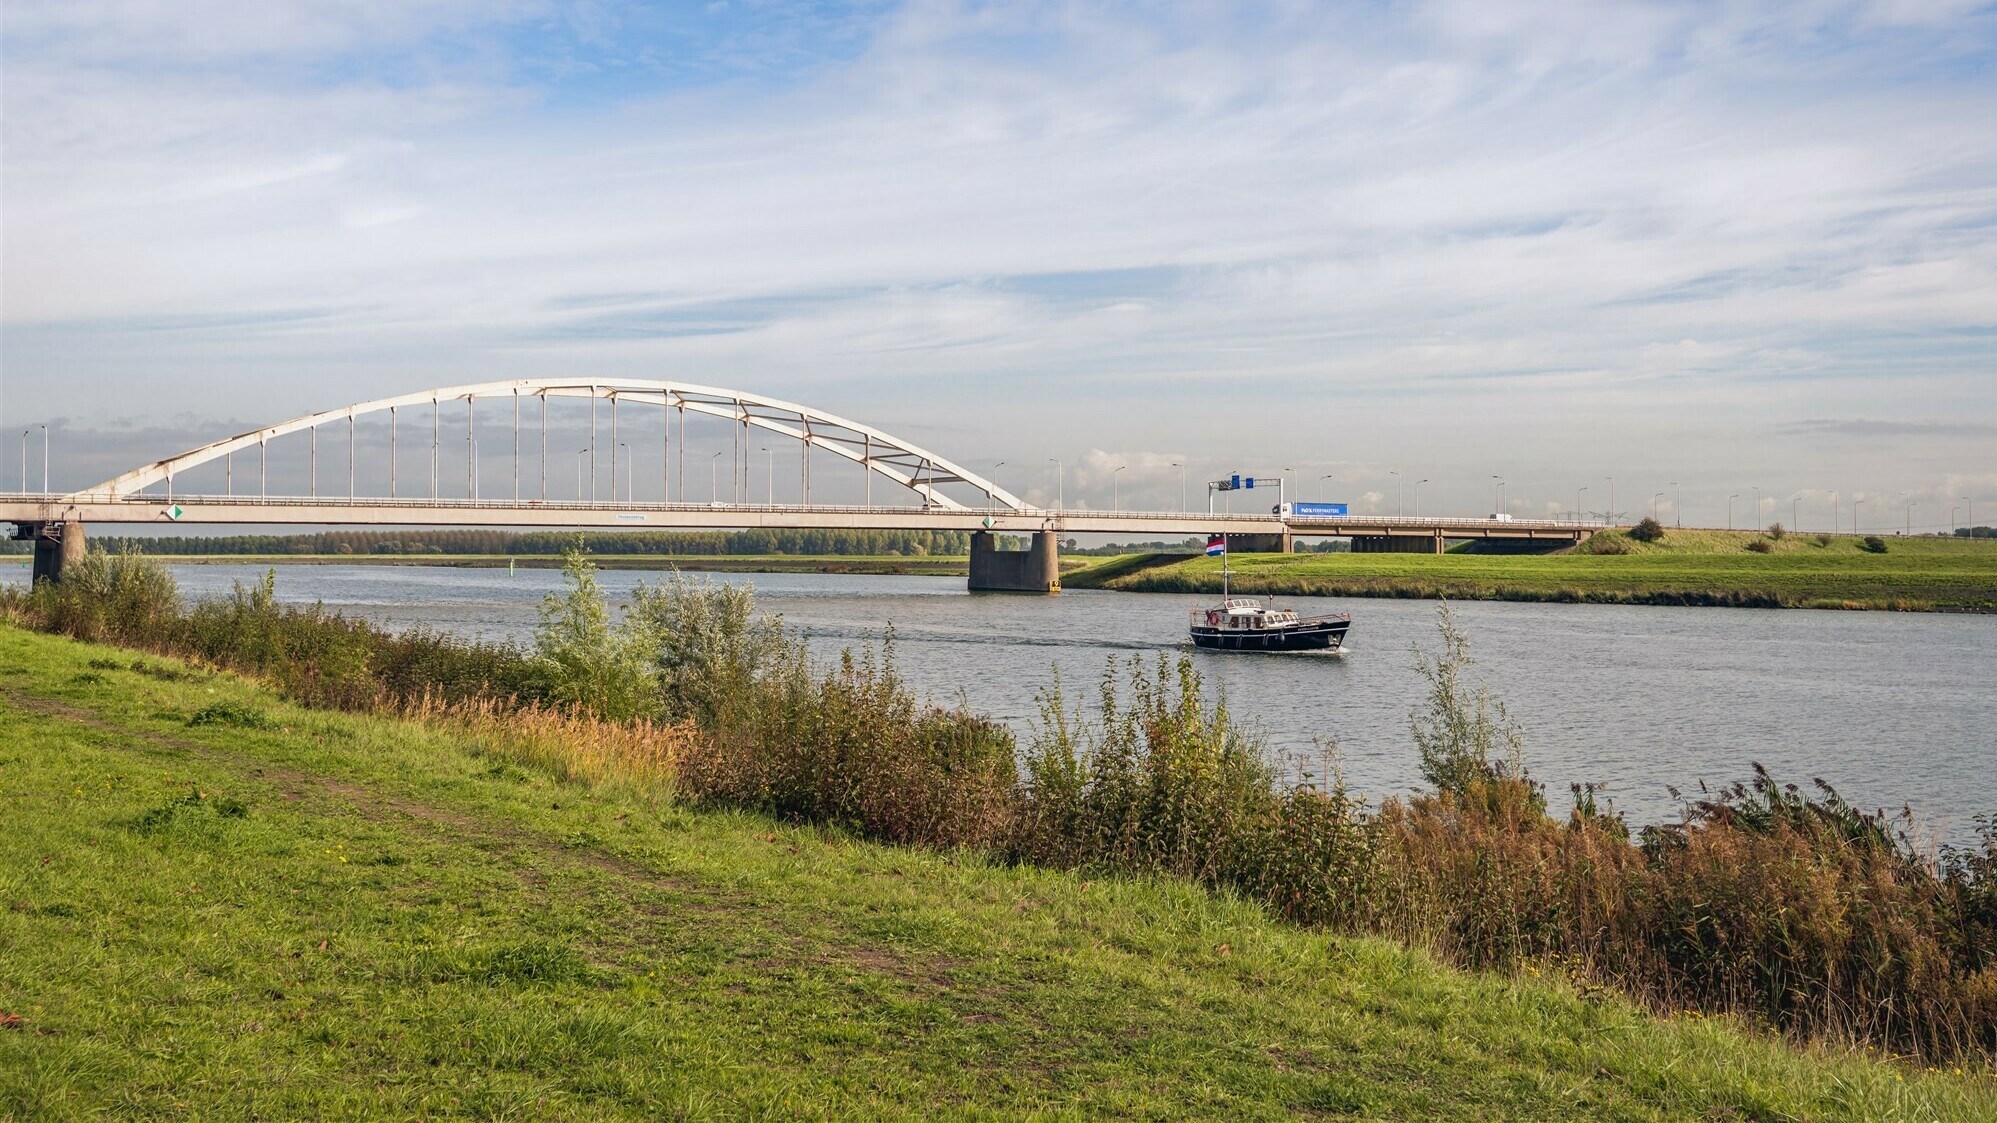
<point>1244,616</point>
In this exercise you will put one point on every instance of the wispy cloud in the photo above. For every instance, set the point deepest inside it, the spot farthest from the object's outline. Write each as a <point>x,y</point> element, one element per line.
<point>1488,235</point>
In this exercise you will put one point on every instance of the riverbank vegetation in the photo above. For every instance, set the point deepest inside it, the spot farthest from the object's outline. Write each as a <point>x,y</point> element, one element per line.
<point>1760,569</point>
<point>289,913</point>
<point>1781,906</point>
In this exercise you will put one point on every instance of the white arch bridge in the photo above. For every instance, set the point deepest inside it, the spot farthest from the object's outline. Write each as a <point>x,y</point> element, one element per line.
<point>925,491</point>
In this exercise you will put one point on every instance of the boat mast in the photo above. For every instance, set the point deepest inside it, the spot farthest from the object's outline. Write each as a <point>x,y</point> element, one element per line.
<point>1223,565</point>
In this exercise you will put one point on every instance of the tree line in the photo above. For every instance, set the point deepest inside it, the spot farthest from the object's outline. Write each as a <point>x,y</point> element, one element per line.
<point>893,543</point>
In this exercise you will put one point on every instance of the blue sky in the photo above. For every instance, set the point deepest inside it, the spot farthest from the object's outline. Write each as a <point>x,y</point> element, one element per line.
<point>1729,245</point>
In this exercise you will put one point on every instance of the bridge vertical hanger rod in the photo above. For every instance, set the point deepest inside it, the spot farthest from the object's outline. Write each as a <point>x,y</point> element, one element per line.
<point>805,456</point>
<point>315,461</point>
<point>228,476</point>
<point>741,429</point>
<point>434,411</point>
<point>682,487</point>
<point>471,448</point>
<point>867,468</point>
<point>350,454</point>
<point>394,457</point>
<point>544,445</point>
<point>665,447</point>
<point>516,444</point>
<point>592,443</point>
<point>263,469</point>
<point>613,446</point>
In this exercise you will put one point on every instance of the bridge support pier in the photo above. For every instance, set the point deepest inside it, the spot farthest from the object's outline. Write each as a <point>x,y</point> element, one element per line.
<point>1036,569</point>
<point>1279,543</point>
<point>57,546</point>
<point>1400,544</point>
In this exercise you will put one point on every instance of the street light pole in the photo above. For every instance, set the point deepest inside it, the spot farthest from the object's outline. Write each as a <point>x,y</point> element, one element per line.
<point>770,470</point>
<point>1678,501</point>
<point>1730,509</point>
<point>629,461</point>
<point>713,477</point>
<point>1854,514</point>
<point>991,501</point>
<point>1971,510</point>
<point>1911,504</point>
<point>1182,485</point>
<point>1418,484</point>
<point>1577,502</point>
<point>580,453</point>
<point>1757,507</point>
<point>1497,497</point>
<point>24,462</point>
<point>1611,520</point>
<point>1653,505</point>
<point>45,459</point>
<point>1115,495</point>
<point>1796,512</point>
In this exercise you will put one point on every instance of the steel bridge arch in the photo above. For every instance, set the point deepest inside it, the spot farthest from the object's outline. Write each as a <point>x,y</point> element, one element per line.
<point>899,461</point>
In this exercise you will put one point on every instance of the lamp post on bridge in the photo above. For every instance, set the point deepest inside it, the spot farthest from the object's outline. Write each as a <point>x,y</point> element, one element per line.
<point>713,476</point>
<point>45,459</point>
<point>1060,483</point>
<point>24,462</point>
<point>770,470</point>
<point>1418,484</point>
<point>1115,494</point>
<point>1498,497</point>
<point>991,500</point>
<point>1577,502</point>
<point>1182,485</point>
<point>580,453</point>
<point>1730,509</point>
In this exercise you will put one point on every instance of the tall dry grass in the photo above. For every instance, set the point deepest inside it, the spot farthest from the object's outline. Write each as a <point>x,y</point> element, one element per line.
<point>567,742</point>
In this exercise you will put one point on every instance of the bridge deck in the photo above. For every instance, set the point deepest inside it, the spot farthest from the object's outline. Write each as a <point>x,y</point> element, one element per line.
<point>197,510</point>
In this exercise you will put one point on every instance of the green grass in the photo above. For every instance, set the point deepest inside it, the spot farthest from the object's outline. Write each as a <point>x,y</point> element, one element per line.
<point>281,913</point>
<point>1688,567</point>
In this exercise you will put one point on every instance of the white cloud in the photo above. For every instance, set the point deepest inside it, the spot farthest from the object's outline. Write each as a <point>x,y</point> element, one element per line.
<point>1492,235</point>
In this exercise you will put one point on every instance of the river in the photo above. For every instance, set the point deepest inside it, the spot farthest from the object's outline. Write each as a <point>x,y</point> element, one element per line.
<point>1892,708</point>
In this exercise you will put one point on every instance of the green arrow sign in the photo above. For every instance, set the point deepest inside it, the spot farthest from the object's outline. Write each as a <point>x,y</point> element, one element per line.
<point>174,512</point>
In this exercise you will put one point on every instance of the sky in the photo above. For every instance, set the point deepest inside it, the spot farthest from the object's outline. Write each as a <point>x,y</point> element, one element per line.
<point>1706,249</point>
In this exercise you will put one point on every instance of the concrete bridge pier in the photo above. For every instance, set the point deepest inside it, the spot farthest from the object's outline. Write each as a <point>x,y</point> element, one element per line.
<point>1279,543</point>
<point>57,546</point>
<point>1036,569</point>
<point>1400,544</point>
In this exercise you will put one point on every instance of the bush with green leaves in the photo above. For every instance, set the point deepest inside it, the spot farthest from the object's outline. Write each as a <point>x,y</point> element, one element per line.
<point>1873,544</point>
<point>582,659</point>
<point>1760,546</point>
<point>1647,530</point>
<point>710,648</point>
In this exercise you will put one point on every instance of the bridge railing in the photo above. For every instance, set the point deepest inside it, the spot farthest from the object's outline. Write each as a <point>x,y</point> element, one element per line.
<point>1177,518</point>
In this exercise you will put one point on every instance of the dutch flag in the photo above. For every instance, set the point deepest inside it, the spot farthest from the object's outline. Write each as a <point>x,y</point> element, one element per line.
<point>1216,545</point>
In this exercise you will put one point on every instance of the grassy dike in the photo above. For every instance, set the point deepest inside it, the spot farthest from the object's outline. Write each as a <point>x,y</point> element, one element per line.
<point>359,916</point>
<point>1687,568</point>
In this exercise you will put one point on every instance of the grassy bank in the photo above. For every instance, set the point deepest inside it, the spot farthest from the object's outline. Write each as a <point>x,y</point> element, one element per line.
<point>358,916</point>
<point>1685,568</point>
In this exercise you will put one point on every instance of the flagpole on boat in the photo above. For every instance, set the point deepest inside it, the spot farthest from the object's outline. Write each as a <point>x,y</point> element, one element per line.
<point>1223,565</point>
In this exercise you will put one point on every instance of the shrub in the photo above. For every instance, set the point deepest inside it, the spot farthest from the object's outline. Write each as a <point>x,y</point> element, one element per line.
<point>582,660</point>
<point>1873,544</point>
<point>1648,530</point>
<point>1776,531</point>
<point>710,647</point>
<point>1824,540</point>
<point>106,596</point>
<point>1759,546</point>
<point>1467,741</point>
